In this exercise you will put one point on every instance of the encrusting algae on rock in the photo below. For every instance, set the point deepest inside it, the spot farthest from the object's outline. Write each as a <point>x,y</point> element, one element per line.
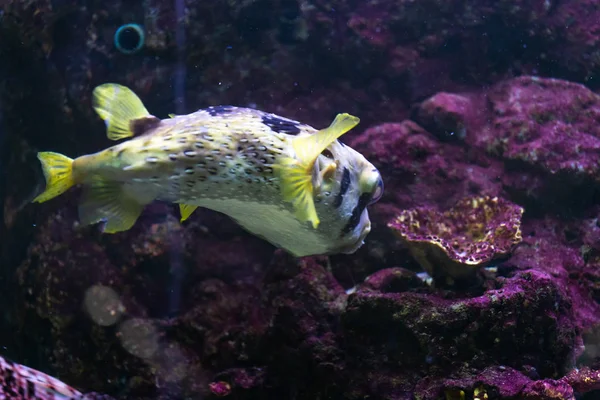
<point>455,243</point>
<point>297,187</point>
<point>21,382</point>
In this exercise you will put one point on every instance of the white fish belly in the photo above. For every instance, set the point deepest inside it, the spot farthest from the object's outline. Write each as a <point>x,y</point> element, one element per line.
<point>275,224</point>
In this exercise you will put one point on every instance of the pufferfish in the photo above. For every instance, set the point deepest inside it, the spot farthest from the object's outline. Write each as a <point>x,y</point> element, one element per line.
<point>295,186</point>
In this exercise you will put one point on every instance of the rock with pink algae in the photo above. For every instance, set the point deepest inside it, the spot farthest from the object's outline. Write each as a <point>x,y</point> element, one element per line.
<point>544,131</point>
<point>20,382</point>
<point>220,388</point>
<point>445,115</point>
<point>547,133</point>
<point>393,280</point>
<point>583,380</point>
<point>575,28</point>
<point>109,300</point>
<point>546,123</point>
<point>548,390</point>
<point>501,381</point>
<point>457,242</point>
<point>564,247</point>
<point>424,339</point>
<point>418,170</point>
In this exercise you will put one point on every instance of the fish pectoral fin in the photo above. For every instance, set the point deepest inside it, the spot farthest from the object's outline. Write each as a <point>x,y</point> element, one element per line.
<point>118,106</point>
<point>106,201</point>
<point>58,172</point>
<point>296,173</point>
<point>297,188</point>
<point>186,210</point>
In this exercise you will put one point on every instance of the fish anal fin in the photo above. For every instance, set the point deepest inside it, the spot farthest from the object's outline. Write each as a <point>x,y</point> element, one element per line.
<point>142,125</point>
<point>107,201</point>
<point>117,105</point>
<point>185,210</point>
<point>296,174</point>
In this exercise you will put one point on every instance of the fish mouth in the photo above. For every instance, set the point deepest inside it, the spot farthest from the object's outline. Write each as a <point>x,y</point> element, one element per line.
<point>366,224</point>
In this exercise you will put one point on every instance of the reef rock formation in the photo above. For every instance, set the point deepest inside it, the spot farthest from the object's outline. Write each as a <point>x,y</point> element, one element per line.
<point>456,243</point>
<point>206,310</point>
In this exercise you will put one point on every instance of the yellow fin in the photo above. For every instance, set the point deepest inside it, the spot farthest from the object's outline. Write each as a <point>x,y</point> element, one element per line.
<point>186,210</point>
<point>105,201</point>
<point>58,172</point>
<point>296,173</point>
<point>171,115</point>
<point>117,105</point>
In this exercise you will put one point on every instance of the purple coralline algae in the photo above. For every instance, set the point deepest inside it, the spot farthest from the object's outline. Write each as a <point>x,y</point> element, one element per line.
<point>205,310</point>
<point>546,123</point>
<point>19,382</point>
<point>455,243</point>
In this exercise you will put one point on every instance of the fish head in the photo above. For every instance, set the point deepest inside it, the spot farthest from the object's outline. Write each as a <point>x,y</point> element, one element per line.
<point>345,183</point>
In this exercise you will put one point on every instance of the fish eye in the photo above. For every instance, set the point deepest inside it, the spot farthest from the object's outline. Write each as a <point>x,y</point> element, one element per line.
<point>377,192</point>
<point>129,38</point>
<point>328,154</point>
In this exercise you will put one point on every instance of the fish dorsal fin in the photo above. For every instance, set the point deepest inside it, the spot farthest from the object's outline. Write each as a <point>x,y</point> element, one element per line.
<point>296,173</point>
<point>185,210</point>
<point>171,115</point>
<point>118,106</point>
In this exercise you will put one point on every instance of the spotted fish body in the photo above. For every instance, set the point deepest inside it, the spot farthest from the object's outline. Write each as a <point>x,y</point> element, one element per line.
<point>239,161</point>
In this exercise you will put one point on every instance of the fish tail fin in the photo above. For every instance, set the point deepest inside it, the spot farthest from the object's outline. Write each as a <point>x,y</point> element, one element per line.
<point>296,173</point>
<point>118,106</point>
<point>105,200</point>
<point>58,172</point>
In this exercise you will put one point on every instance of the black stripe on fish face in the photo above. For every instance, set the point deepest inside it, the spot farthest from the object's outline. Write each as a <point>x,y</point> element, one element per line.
<point>219,110</point>
<point>343,188</point>
<point>280,125</point>
<point>354,220</point>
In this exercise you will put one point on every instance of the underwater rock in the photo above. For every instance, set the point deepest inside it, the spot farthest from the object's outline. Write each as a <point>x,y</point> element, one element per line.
<point>543,130</point>
<point>455,243</point>
<point>501,380</point>
<point>393,280</point>
<point>445,115</point>
<point>20,382</point>
<point>421,170</point>
<point>554,246</point>
<point>204,309</point>
<point>548,390</point>
<point>576,24</point>
<point>109,300</point>
<point>525,321</point>
<point>546,132</point>
<point>546,123</point>
<point>583,380</point>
